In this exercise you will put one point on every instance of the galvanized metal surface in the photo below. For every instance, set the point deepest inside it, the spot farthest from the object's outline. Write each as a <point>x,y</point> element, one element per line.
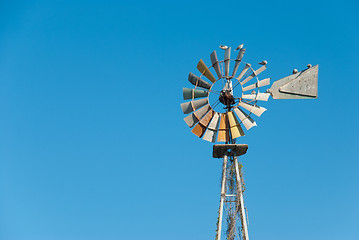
<point>188,107</point>
<point>201,66</point>
<point>196,81</point>
<point>252,108</point>
<point>212,130</point>
<point>247,121</point>
<point>258,84</point>
<point>220,150</point>
<point>301,85</point>
<point>244,70</point>
<point>207,118</point>
<point>191,120</point>
<point>227,57</point>
<point>202,111</point>
<point>223,197</point>
<point>215,64</point>
<point>241,200</point>
<point>258,96</point>
<point>238,61</point>
<point>255,73</point>
<point>189,93</point>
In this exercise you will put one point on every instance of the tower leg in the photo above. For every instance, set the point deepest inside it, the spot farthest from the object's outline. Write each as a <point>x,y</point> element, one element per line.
<point>240,193</point>
<point>223,197</point>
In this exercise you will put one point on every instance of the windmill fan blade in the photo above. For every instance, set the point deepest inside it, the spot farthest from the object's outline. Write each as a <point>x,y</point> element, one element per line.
<point>245,69</point>
<point>215,64</point>
<point>193,118</point>
<point>235,126</point>
<point>205,71</point>
<point>238,61</point>
<point>258,96</point>
<point>261,83</point>
<point>252,108</point>
<point>189,93</point>
<point>223,135</point>
<point>201,112</point>
<point>227,57</point>
<point>247,121</point>
<point>188,107</point>
<point>198,81</point>
<point>211,133</point>
<point>199,130</point>
<point>207,118</point>
<point>255,73</point>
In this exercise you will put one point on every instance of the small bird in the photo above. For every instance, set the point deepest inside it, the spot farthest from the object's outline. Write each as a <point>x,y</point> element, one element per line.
<point>295,71</point>
<point>239,47</point>
<point>253,92</point>
<point>264,62</point>
<point>224,47</point>
<point>309,65</point>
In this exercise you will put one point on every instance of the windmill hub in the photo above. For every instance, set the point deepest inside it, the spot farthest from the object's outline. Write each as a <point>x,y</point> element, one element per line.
<point>227,98</point>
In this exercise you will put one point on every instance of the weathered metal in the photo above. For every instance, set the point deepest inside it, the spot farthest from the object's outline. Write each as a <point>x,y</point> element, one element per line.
<point>220,150</point>
<point>258,84</point>
<point>254,74</point>
<point>247,121</point>
<point>241,200</point>
<point>244,70</point>
<point>238,61</point>
<point>189,93</point>
<point>301,85</point>
<point>253,109</point>
<point>207,118</point>
<point>215,64</point>
<point>196,81</point>
<point>223,131</point>
<point>223,197</point>
<point>199,130</point>
<point>257,96</point>
<point>212,130</point>
<point>188,107</point>
<point>202,111</point>
<point>235,126</point>
<point>201,66</point>
<point>227,57</point>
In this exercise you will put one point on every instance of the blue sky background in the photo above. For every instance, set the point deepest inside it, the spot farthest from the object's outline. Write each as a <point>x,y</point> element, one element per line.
<point>92,141</point>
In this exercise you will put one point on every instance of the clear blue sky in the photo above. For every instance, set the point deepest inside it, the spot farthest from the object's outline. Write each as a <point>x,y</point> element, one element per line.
<point>92,141</point>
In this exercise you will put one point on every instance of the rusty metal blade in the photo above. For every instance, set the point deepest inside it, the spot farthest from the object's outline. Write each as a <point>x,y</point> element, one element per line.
<point>223,131</point>
<point>238,61</point>
<point>252,108</point>
<point>199,130</point>
<point>198,81</point>
<point>227,57</point>
<point>205,71</point>
<point>215,64</point>
<point>247,121</point>
<point>236,130</point>
<point>193,118</point>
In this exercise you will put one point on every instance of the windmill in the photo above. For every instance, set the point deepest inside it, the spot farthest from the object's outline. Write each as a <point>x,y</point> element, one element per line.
<point>218,110</point>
